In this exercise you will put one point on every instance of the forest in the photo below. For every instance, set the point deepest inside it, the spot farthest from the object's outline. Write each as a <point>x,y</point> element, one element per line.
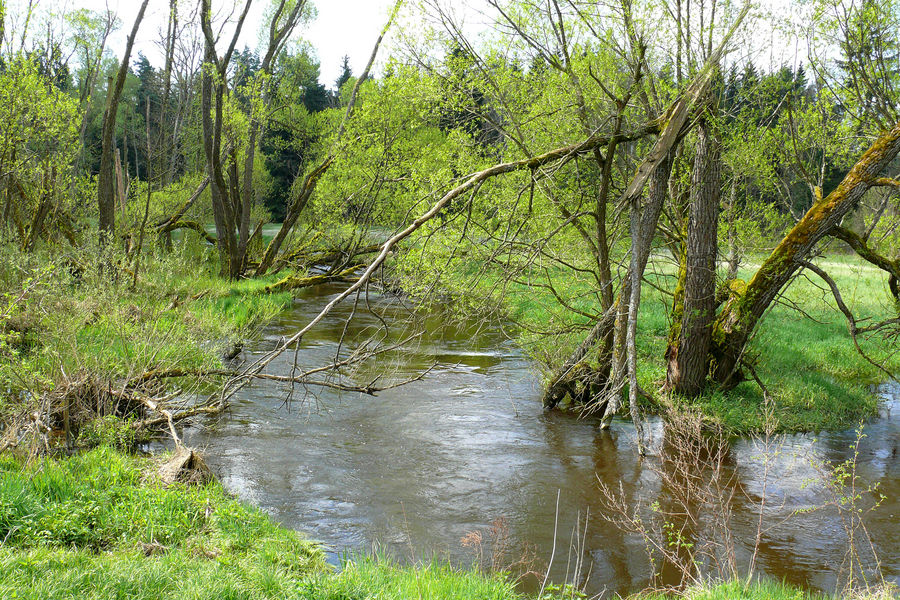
<point>672,227</point>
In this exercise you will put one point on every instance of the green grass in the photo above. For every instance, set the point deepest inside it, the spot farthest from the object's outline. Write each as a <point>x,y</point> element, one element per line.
<point>180,314</point>
<point>382,579</point>
<point>79,528</point>
<point>762,590</point>
<point>808,362</point>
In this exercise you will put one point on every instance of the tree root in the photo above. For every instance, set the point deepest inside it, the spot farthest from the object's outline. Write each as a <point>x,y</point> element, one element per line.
<point>186,466</point>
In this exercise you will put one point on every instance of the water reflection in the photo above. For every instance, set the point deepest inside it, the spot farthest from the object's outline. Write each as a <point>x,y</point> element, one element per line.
<point>415,469</point>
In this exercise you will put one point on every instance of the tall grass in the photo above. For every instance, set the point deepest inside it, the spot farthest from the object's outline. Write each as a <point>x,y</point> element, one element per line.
<point>760,590</point>
<point>76,322</point>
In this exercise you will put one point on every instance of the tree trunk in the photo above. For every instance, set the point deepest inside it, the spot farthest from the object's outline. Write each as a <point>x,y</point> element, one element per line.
<point>247,195</point>
<point>694,315</point>
<point>211,146</point>
<point>657,188</point>
<point>106,193</point>
<point>743,310</point>
<point>734,254</point>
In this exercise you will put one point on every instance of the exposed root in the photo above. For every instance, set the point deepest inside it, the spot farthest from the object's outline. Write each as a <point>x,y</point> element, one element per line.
<point>186,466</point>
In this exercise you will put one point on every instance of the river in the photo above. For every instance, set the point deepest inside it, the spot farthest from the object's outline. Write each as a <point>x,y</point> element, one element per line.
<point>415,470</point>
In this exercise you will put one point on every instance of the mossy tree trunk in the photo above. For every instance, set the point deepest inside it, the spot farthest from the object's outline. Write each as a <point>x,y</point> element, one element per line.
<point>695,312</point>
<point>743,310</point>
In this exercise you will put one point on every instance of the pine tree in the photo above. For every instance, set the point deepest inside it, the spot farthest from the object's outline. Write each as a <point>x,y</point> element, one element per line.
<point>346,74</point>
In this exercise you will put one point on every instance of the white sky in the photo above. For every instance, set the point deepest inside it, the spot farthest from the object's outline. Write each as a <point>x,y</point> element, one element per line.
<point>342,27</point>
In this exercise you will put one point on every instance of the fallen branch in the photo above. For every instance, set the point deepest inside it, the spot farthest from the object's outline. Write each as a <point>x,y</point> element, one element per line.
<point>170,373</point>
<point>559,154</point>
<point>292,282</point>
<point>149,423</point>
<point>164,224</point>
<point>185,224</point>
<point>300,258</point>
<point>851,320</point>
<point>370,389</point>
<point>156,406</point>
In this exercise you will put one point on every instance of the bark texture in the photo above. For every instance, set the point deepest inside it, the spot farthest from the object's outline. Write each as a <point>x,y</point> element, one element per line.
<point>695,309</point>
<point>106,192</point>
<point>642,239</point>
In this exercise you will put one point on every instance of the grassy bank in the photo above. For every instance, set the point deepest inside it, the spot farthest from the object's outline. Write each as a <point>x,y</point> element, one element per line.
<point>765,590</point>
<point>99,525</point>
<point>802,349</point>
<point>63,322</point>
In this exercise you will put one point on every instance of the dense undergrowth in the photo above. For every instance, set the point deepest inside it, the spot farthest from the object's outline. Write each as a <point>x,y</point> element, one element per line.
<point>64,322</point>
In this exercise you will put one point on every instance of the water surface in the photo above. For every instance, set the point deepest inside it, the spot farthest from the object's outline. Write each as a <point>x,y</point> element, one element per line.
<point>416,469</point>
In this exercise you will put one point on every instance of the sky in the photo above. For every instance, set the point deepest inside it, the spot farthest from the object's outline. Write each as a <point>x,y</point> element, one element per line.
<point>342,27</point>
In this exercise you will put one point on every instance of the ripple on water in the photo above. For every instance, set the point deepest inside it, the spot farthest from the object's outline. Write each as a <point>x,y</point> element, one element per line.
<point>414,469</point>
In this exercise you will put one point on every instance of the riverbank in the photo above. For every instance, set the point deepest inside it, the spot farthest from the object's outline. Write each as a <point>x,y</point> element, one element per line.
<point>165,322</point>
<point>67,331</point>
<point>802,351</point>
<point>65,325</point>
<point>100,525</point>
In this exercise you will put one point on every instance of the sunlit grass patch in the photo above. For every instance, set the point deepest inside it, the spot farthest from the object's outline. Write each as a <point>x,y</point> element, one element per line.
<point>381,578</point>
<point>94,526</point>
<point>802,349</point>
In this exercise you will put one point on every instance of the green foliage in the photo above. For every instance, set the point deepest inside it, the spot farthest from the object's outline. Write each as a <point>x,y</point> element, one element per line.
<point>398,152</point>
<point>38,135</point>
<point>110,431</point>
<point>181,315</point>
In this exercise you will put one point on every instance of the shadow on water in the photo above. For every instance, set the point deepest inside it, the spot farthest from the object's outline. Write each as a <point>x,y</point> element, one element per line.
<point>417,468</point>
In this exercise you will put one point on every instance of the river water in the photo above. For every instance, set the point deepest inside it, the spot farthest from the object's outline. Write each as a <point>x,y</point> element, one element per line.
<point>415,470</point>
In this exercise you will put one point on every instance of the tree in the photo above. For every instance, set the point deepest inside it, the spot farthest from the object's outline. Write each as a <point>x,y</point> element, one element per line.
<point>344,77</point>
<point>300,197</point>
<point>232,199</point>
<point>38,144</point>
<point>106,181</point>
<point>695,296</point>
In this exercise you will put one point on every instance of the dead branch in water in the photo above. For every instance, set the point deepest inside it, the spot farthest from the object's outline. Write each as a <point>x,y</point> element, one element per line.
<point>294,283</point>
